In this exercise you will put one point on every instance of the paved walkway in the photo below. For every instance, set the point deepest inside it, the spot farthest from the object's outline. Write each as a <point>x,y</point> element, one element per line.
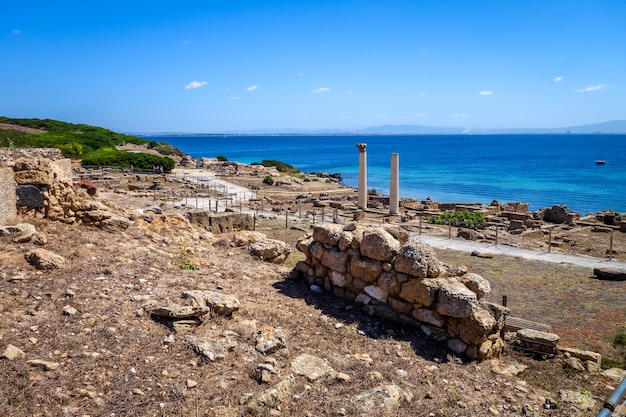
<point>469,246</point>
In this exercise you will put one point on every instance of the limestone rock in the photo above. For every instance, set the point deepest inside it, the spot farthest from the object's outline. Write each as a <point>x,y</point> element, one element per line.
<point>614,374</point>
<point>114,223</point>
<point>578,400</point>
<point>479,285</point>
<point>426,315</point>
<point>270,340</point>
<point>217,303</point>
<point>44,259</point>
<point>12,353</point>
<point>473,329</point>
<point>328,234</point>
<point>21,232</point>
<point>379,244</point>
<point>336,260</point>
<point>270,398</point>
<point>246,237</point>
<point>365,269</point>
<point>270,250</point>
<point>419,260</point>
<point>456,345</point>
<point>45,365</point>
<point>33,177</point>
<point>421,291</point>
<point>304,244</point>
<point>456,300</point>
<point>509,370</point>
<point>381,401</point>
<point>376,293</point>
<point>211,349</point>
<point>401,235</point>
<point>311,367</point>
<point>176,311</point>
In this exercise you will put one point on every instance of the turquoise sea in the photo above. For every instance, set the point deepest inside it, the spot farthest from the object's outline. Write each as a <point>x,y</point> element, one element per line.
<point>542,170</point>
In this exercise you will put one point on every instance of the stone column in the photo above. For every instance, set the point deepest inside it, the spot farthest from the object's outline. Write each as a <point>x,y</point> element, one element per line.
<point>394,186</point>
<point>362,175</point>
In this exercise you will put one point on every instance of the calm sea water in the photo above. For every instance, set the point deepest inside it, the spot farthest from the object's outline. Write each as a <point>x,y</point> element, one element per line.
<point>542,170</point>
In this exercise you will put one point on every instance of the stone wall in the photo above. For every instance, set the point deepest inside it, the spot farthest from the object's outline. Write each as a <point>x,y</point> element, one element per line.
<point>378,268</point>
<point>42,187</point>
<point>220,222</point>
<point>7,195</point>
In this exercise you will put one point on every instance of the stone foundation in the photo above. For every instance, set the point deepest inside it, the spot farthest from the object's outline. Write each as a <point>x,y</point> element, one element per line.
<point>404,282</point>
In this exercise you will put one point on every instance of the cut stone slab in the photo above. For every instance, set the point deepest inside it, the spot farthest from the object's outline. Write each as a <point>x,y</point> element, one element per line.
<point>537,336</point>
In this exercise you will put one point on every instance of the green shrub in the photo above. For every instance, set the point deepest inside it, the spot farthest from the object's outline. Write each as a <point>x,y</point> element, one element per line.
<point>140,161</point>
<point>221,158</point>
<point>268,180</point>
<point>280,166</point>
<point>465,218</point>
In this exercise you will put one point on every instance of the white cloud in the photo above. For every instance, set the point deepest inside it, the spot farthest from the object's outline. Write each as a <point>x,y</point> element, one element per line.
<point>486,93</point>
<point>252,88</point>
<point>321,90</point>
<point>195,84</point>
<point>16,31</point>
<point>589,89</point>
<point>558,79</point>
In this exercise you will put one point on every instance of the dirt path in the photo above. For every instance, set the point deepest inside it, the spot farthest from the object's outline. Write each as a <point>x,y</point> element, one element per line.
<point>469,246</point>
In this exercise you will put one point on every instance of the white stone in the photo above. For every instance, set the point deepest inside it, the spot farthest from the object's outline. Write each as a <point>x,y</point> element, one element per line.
<point>376,293</point>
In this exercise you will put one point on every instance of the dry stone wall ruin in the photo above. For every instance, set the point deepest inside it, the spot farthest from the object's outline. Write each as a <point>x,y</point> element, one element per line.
<point>405,282</point>
<point>38,183</point>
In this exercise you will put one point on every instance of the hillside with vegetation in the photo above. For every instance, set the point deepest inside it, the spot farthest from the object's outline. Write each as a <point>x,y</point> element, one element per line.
<point>95,146</point>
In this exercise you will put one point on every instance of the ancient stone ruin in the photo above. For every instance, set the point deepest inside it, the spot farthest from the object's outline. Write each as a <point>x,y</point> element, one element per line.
<point>404,282</point>
<point>38,183</point>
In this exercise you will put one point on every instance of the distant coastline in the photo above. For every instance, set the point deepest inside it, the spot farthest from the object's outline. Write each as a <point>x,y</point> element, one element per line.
<point>542,170</point>
<point>617,127</point>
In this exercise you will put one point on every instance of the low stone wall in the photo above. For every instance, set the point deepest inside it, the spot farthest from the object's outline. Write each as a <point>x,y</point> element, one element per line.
<point>405,282</point>
<point>220,222</point>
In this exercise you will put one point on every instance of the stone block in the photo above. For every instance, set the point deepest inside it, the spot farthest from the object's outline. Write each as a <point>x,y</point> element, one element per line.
<point>8,197</point>
<point>29,196</point>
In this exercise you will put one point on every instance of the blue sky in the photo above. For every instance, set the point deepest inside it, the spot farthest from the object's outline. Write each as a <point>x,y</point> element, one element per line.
<point>211,66</point>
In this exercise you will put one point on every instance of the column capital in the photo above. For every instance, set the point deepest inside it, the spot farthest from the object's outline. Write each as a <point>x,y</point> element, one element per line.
<point>361,146</point>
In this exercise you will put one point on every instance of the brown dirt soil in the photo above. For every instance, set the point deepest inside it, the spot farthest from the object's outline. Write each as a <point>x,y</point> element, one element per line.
<point>115,360</point>
<point>21,129</point>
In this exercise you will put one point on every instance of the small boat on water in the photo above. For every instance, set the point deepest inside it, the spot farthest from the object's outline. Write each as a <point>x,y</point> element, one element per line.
<point>600,162</point>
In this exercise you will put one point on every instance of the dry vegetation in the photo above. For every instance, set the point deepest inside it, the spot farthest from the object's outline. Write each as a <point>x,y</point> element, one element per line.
<point>116,360</point>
